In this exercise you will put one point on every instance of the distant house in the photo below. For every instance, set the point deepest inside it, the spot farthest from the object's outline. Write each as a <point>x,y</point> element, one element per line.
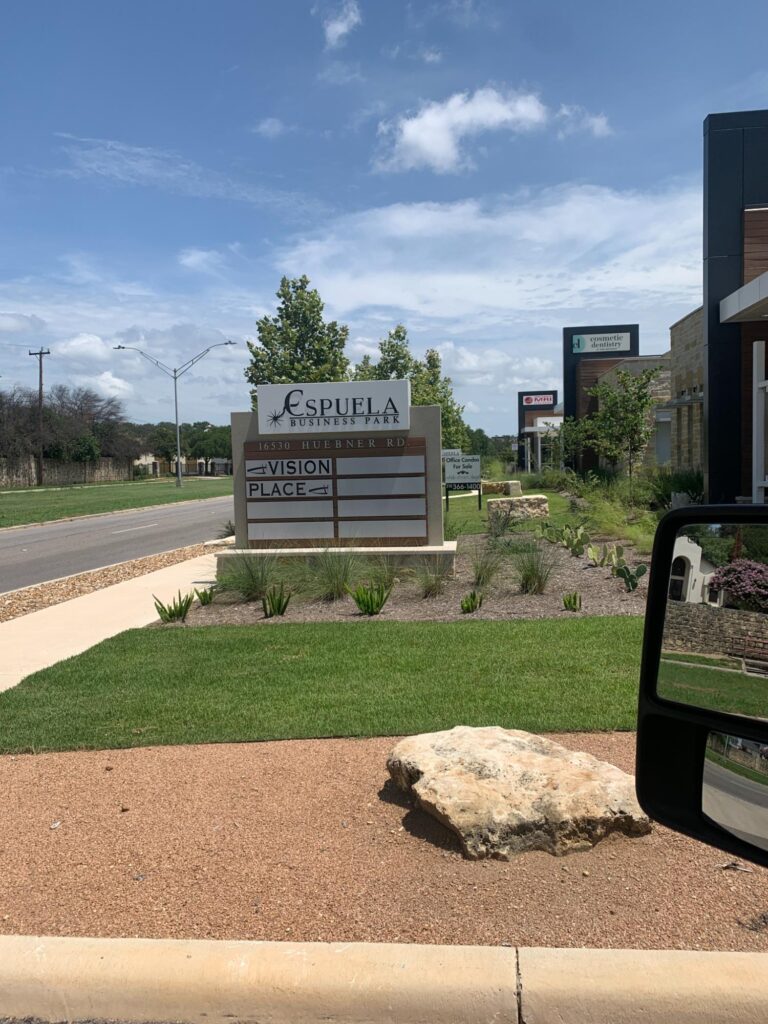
<point>689,578</point>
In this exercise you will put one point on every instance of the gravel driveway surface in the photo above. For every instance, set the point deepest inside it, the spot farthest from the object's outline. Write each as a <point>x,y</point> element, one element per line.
<point>307,840</point>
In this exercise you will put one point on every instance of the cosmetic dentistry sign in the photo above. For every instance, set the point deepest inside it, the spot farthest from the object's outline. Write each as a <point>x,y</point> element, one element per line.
<point>334,408</point>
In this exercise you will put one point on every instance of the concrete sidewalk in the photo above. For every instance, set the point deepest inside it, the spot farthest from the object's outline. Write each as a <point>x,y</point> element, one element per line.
<point>40,639</point>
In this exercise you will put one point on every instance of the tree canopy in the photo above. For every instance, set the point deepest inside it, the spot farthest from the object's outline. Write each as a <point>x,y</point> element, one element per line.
<point>297,344</point>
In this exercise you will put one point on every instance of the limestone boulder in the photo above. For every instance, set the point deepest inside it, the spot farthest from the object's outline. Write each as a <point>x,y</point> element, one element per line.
<point>513,488</point>
<point>505,792</point>
<point>529,506</point>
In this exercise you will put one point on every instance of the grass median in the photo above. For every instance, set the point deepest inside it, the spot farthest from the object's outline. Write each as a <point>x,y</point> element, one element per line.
<point>18,508</point>
<point>289,681</point>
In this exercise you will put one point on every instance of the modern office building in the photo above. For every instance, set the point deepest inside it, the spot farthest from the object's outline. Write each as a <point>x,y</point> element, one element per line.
<point>532,406</point>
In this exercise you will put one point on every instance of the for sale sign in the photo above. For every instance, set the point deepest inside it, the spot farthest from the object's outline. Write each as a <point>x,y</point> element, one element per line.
<point>462,469</point>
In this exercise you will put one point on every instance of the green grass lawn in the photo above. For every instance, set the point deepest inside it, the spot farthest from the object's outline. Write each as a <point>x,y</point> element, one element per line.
<point>33,506</point>
<point>229,683</point>
<point>713,688</point>
<point>464,517</point>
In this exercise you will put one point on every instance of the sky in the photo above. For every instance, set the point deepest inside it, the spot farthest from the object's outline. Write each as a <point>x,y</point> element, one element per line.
<point>485,173</point>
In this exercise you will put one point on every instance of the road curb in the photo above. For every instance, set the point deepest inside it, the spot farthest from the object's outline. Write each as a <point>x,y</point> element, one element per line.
<point>143,980</point>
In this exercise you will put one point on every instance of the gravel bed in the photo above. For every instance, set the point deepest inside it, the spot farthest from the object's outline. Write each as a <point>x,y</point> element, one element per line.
<point>43,595</point>
<point>307,840</point>
<point>601,594</point>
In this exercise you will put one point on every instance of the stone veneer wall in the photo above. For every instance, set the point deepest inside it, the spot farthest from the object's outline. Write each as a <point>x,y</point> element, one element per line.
<point>705,629</point>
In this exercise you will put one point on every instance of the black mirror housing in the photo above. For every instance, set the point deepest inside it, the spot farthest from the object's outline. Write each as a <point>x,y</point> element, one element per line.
<point>674,739</point>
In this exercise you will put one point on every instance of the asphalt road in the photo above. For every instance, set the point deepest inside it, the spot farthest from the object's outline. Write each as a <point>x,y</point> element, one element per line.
<point>737,803</point>
<point>34,554</point>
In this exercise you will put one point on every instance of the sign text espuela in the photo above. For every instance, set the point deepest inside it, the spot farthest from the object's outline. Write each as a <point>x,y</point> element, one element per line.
<point>357,411</point>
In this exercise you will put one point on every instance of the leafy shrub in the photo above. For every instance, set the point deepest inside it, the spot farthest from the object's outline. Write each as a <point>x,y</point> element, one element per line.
<point>472,601</point>
<point>175,610</point>
<point>370,599</point>
<point>746,583</point>
<point>572,602</point>
<point>631,576</point>
<point>330,572</point>
<point>533,566</point>
<point>275,601</point>
<point>493,468</point>
<point>206,596</point>
<point>249,576</point>
<point>486,563</point>
<point>432,575</point>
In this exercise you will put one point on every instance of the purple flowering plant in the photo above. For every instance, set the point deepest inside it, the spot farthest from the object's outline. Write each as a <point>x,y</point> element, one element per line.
<point>746,583</point>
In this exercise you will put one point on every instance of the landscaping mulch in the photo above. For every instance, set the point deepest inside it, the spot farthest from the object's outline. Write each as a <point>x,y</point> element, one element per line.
<point>308,840</point>
<point>601,594</point>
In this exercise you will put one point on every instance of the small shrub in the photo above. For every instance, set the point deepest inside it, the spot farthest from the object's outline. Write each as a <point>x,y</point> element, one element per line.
<point>472,601</point>
<point>175,610</point>
<point>330,572</point>
<point>386,570</point>
<point>486,563</point>
<point>499,523</point>
<point>206,596</point>
<point>575,540</point>
<point>432,575</point>
<point>249,576</point>
<point>631,576</point>
<point>572,602</point>
<point>227,530</point>
<point>370,599</point>
<point>275,601</point>
<point>533,566</point>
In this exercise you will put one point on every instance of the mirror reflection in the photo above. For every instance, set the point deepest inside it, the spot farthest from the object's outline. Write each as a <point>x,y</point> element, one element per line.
<point>734,791</point>
<point>715,644</point>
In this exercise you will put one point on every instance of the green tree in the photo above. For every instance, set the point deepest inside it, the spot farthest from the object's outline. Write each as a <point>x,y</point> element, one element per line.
<point>162,441</point>
<point>297,344</point>
<point>428,385</point>
<point>208,442</point>
<point>622,426</point>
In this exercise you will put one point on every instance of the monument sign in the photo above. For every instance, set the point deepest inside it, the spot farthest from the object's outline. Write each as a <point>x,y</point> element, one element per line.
<point>337,465</point>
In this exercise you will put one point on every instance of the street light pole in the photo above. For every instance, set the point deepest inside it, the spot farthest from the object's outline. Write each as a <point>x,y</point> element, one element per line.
<point>174,372</point>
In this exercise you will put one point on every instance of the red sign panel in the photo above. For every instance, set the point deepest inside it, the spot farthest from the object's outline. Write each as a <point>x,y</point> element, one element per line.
<point>539,399</point>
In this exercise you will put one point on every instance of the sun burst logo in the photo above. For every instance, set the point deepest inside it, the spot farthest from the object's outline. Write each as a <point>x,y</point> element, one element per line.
<point>275,418</point>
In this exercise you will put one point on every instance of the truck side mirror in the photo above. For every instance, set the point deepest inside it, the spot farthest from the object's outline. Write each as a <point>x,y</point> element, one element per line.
<point>702,732</point>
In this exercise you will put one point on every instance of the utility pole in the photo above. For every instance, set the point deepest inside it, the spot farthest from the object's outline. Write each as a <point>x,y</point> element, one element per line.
<point>40,355</point>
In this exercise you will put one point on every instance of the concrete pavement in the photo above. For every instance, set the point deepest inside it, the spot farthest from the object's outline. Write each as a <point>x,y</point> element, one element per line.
<point>35,641</point>
<point>34,554</point>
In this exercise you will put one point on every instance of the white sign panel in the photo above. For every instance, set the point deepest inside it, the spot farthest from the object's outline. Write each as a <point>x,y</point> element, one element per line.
<point>461,469</point>
<point>601,343</point>
<point>334,408</point>
<point>548,399</point>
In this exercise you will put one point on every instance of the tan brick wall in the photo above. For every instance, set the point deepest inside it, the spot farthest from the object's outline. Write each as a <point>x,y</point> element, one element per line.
<point>687,363</point>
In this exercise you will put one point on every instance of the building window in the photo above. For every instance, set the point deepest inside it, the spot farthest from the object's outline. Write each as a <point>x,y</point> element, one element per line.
<point>677,579</point>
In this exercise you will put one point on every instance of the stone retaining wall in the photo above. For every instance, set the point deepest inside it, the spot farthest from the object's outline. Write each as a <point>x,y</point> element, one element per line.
<point>704,629</point>
<point>23,472</point>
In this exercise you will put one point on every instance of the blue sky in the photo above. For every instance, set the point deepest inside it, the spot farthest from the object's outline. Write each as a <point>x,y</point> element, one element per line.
<point>483,172</point>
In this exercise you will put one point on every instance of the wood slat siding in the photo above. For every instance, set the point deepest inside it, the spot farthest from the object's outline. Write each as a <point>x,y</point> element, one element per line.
<point>755,244</point>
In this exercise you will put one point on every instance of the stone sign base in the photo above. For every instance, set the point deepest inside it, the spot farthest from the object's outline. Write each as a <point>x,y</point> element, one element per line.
<point>530,506</point>
<point>405,555</point>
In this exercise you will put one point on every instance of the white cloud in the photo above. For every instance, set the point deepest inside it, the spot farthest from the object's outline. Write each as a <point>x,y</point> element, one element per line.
<point>432,137</point>
<point>431,55</point>
<point>271,128</point>
<point>338,25</point>
<point>113,161</point>
<point>340,73</point>
<point>537,259</point>
<point>20,323</point>
<point>106,384</point>
<point>573,119</point>
<point>85,348</point>
<point>204,261</point>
